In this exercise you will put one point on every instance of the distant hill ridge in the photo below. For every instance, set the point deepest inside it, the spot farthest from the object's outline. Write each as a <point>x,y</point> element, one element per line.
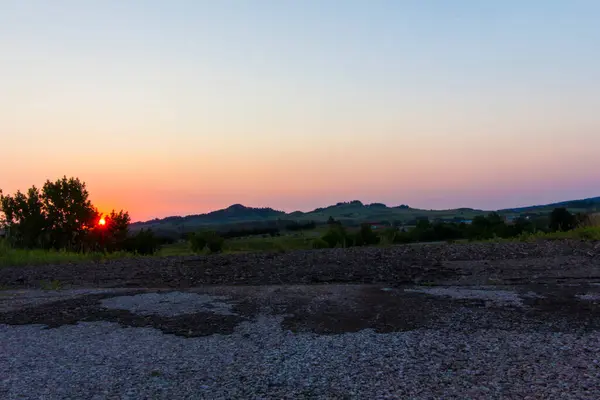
<point>233,212</point>
<point>354,210</point>
<point>583,203</point>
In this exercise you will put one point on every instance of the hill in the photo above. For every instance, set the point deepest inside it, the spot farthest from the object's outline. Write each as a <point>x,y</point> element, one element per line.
<point>235,214</point>
<point>350,213</point>
<point>583,205</point>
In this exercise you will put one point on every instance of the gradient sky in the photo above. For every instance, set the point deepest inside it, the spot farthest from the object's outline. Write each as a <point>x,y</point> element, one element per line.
<point>179,107</point>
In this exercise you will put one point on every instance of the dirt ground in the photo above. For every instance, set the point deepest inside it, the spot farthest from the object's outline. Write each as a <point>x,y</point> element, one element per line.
<point>553,286</point>
<point>323,309</point>
<point>463,264</point>
<point>475,321</point>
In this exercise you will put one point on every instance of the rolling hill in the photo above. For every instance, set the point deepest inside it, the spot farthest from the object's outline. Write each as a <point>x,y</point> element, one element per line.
<point>353,212</point>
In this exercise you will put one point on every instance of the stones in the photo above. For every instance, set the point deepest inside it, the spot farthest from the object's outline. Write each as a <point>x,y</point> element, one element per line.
<point>471,263</point>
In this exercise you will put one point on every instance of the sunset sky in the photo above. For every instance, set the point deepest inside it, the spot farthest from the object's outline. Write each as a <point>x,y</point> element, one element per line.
<point>179,107</point>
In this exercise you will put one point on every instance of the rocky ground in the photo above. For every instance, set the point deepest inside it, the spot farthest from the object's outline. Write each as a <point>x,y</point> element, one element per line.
<point>440,321</point>
<point>501,263</point>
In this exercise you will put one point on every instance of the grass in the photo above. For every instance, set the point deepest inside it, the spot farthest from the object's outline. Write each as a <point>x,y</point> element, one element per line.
<point>276,243</point>
<point>175,249</point>
<point>21,257</point>
<point>582,233</point>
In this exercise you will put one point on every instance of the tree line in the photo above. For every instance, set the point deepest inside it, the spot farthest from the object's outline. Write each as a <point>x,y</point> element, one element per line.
<point>482,227</point>
<point>60,215</point>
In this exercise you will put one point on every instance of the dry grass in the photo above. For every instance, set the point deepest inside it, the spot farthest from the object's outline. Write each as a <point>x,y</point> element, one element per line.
<point>593,221</point>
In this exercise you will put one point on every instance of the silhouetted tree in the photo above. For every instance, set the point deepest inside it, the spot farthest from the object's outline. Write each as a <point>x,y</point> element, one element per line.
<point>60,215</point>
<point>562,220</point>
<point>24,218</point>
<point>144,242</point>
<point>69,212</point>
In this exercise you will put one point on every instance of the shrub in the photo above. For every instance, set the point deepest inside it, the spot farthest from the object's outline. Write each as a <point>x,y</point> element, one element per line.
<point>337,236</point>
<point>215,244</point>
<point>388,236</point>
<point>208,239</point>
<point>144,242</point>
<point>369,237</point>
<point>562,220</point>
<point>198,242</point>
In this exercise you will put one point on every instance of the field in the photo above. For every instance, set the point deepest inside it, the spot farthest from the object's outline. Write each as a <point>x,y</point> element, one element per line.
<point>253,244</point>
<point>16,257</point>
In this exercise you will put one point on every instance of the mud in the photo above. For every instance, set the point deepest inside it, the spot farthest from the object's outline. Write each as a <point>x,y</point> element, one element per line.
<point>320,309</point>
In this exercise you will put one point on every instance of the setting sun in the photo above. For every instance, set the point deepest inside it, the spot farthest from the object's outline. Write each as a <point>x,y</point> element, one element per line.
<point>102,222</point>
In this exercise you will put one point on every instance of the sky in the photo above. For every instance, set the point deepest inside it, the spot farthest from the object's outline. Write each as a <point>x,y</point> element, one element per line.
<point>185,106</point>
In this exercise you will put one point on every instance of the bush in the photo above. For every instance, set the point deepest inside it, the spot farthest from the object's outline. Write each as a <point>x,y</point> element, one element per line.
<point>562,220</point>
<point>366,236</point>
<point>215,244</point>
<point>198,242</point>
<point>144,243</point>
<point>388,236</point>
<point>208,239</point>
<point>319,243</point>
<point>337,236</point>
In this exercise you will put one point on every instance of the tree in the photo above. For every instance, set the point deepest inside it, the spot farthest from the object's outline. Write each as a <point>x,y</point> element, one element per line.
<point>562,220</point>
<point>69,212</point>
<point>113,235</point>
<point>117,225</point>
<point>365,236</point>
<point>60,215</point>
<point>24,218</point>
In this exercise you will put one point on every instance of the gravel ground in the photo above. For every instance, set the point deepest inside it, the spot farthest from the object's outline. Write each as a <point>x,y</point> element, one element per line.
<point>473,321</point>
<point>169,304</point>
<point>103,360</point>
<point>324,341</point>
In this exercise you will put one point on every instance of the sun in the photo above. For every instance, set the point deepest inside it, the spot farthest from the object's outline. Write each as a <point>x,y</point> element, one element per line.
<point>102,222</point>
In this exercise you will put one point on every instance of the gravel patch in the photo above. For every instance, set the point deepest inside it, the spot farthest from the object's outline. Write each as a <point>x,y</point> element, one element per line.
<point>496,297</point>
<point>260,360</point>
<point>17,299</point>
<point>589,296</point>
<point>169,304</point>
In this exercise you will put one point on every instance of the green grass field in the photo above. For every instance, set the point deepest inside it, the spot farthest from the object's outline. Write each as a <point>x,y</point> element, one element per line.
<point>20,257</point>
<point>584,233</point>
